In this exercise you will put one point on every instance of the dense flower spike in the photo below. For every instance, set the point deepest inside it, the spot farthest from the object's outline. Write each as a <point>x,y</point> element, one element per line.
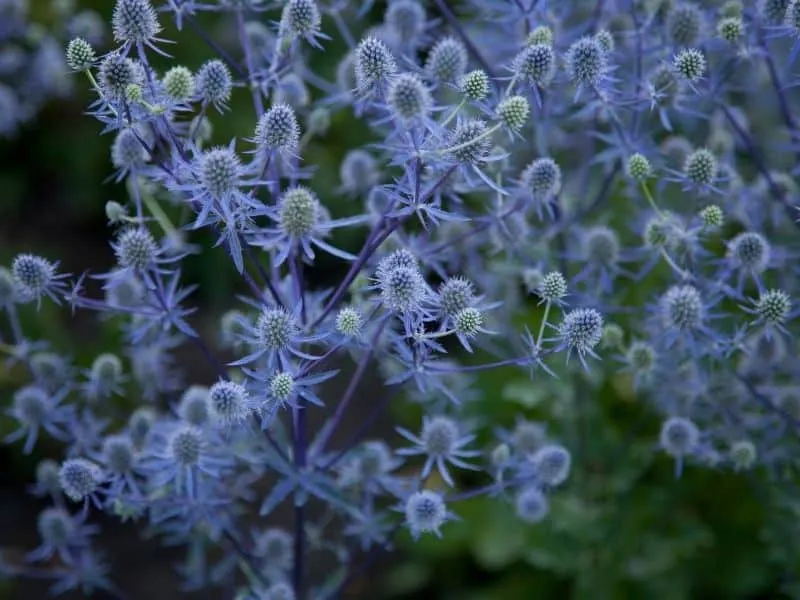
<point>275,328</point>
<point>475,85</point>
<point>606,40</point>
<point>349,322</point>
<point>300,18</point>
<point>118,454</point>
<point>700,167</point>
<point>359,172</point>
<point>214,83</point>
<point>135,21</point>
<point>586,61</point>
<point>685,24</point>
<point>229,402</point>
<point>712,216</point>
<point>374,64</point>
<point>553,287</point>
<point>179,84</point>
<point>80,55</point>
<point>536,64</point>
<point>682,307</point>
<point>425,512</point>
<point>195,405</point>
<point>455,294</point>
<point>220,172</point>
<point>679,436</point>
<point>513,112</point>
<point>186,446</point>
<point>749,251</point>
<point>402,288</point>
<point>773,307</point>
<point>136,249</point>
<point>690,64</point>
<point>406,20</point>
<point>638,167</point>
<point>730,29</point>
<point>773,11</point>
<point>33,275</point>
<point>552,464</point>
<point>542,178</point>
<point>408,97</point>
<point>117,72</point>
<point>298,212</point>
<point>56,527</point>
<point>581,331</point>
<point>531,505</point>
<point>277,129</point>
<point>79,478</point>
<point>439,206</point>
<point>447,60</point>
<point>128,154</point>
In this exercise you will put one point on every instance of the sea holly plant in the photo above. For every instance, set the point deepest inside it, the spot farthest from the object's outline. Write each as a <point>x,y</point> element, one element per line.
<point>586,197</point>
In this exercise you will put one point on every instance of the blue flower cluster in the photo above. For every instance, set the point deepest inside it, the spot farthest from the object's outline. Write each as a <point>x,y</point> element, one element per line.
<point>552,187</point>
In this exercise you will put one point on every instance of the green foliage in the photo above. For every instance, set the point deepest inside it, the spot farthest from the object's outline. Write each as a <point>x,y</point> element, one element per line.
<point>624,527</point>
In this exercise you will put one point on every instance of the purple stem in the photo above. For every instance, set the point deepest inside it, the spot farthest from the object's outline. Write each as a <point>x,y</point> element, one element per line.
<point>768,404</point>
<point>299,434</point>
<point>487,489</point>
<point>508,362</point>
<point>296,272</point>
<point>783,103</point>
<point>264,276</point>
<point>255,91</point>
<point>365,566</point>
<point>375,239</point>
<point>359,434</point>
<point>222,371</point>
<point>214,46</point>
<point>246,556</point>
<point>755,154</point>
<point>475,230</point>
<point>299,445</point>
<point>372,244</point>
<point>352,386</point>
<point>471,48</point>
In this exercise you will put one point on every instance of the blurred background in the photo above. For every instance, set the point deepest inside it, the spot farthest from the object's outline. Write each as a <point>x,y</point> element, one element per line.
<point>623,528</point>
